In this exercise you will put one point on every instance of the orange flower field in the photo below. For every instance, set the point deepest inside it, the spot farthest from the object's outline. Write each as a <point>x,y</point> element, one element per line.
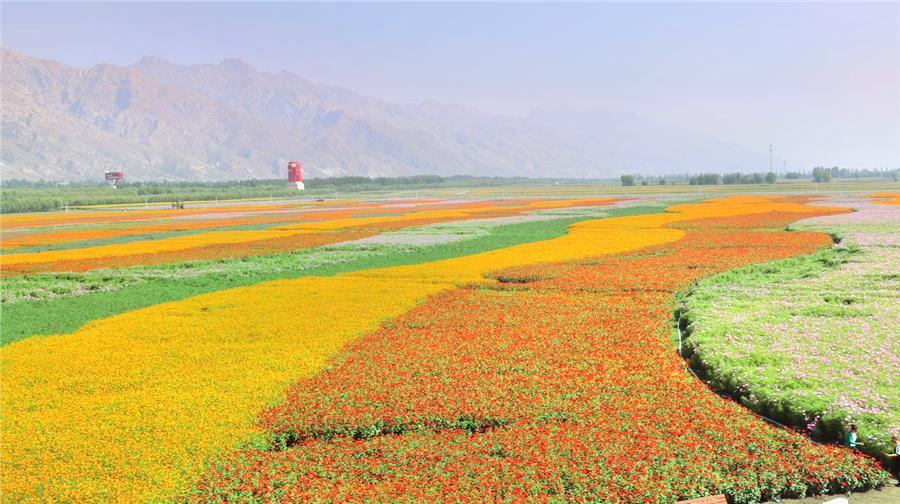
<point>887,198</point>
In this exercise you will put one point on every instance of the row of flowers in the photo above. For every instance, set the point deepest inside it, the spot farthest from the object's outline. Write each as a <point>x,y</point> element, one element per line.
<point>84,227</point>
<point>16,221</point>
<point>316,228</point>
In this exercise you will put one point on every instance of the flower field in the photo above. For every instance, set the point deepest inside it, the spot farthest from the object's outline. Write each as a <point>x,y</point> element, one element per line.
<point>812,341</point>
<point>107,216</point>
<point>83,390</point>
<point>888,198</point>
<point>313,229</point>
<point>90,228</point>
<point>560,386</point>
<point>60,302</point>
<point>534,371</point>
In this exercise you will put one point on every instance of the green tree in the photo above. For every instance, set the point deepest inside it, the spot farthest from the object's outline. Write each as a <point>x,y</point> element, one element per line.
<point>821,174</point>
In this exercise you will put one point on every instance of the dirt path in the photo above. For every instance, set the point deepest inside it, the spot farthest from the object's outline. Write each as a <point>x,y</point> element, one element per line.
<point>890,494</point>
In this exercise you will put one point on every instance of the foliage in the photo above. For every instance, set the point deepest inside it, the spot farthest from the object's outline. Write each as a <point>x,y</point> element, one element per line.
<point>732,178</point>
<point>705,179</point>
<point>811,341</point>
<point>821,174</point>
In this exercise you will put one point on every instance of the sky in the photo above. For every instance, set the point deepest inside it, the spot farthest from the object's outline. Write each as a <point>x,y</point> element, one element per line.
<point>820,81</point>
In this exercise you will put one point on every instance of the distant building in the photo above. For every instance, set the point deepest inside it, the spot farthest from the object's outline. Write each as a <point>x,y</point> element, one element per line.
<point>113,177</point>
<point>295,174</point>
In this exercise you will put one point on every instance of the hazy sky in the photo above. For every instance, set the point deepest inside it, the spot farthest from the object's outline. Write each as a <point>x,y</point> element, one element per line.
<point>820,81</point>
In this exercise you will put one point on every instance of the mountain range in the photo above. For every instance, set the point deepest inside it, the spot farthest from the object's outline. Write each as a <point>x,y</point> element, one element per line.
<point>157,120</point>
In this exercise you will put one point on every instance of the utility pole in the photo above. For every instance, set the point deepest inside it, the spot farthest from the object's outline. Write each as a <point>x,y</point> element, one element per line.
<point>770,157</point>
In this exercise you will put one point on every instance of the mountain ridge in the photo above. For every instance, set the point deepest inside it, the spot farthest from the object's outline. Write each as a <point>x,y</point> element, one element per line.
<point>158,120</point>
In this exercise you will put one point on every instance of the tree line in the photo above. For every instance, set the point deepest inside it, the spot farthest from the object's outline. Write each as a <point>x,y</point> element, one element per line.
<point>29,196</point>
<point>817,174</point>
<point>701,179</point>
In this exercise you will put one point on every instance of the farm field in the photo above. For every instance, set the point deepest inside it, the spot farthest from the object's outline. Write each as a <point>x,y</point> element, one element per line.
<point>48,303</point>
<point>290,232</point>
<point>420,349</point>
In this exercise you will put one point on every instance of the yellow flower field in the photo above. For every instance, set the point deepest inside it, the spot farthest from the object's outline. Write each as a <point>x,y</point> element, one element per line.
<point>129,407</point>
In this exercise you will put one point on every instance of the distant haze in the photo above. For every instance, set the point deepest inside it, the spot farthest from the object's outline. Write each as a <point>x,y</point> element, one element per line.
<point>819,81</point>
<point>227,120</point>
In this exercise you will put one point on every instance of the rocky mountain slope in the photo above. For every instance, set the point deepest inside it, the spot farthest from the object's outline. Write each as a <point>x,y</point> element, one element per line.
<point>158,120</point>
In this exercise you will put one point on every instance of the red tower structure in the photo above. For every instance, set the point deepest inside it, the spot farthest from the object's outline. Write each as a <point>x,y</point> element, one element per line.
<point>113,177</point>
<point>295,174</point>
